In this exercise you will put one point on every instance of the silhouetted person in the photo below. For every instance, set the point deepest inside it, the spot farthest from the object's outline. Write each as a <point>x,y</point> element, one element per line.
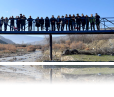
<point>47,23</point>
<point>78,21</point>
<point>18,23</point>
<point>87,22</point>
<point>66,21</point>
<point>41,23</point>
<point>23,22</point>
<point>92,22</point>
<point>70,22</point>
<point>62,23</point>
<point>58,22</point>
<point>97,18</point>
<point>37,23</point>
<point>5,23</point>
<point>53,20</point>
<point>11,23</point>
<point>29,23</point>
<point>73,22</point>
<point>1,23</point>
<point>83,21</point>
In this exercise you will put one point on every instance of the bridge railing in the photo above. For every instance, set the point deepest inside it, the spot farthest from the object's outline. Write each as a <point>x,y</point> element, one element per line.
<point>106,23</point>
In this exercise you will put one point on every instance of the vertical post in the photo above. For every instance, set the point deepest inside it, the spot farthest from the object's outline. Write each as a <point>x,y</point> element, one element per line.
<point>51,57</point>
<point>104,24</point>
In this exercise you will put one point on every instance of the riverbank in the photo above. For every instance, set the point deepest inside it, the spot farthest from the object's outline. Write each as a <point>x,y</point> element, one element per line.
<point>21,57</point>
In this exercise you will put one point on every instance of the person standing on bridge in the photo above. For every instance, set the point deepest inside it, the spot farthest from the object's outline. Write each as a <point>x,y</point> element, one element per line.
<point>5,23</point>
<point>41,23</point>
<point>11,23</point>
<point>18,23</point>
<point>53,20</point>
<point>1,23</point>
<point>78,21</point>
<point>62,23</point>
<point>66,21</point>
<point>70,22</point>
<point>83,21</point>
<point>58,22</point>
<point>92,22</point>
<point>97,20</point>
<point>23,22</point>
<point>87,22</point>
<point>29,23</point>
<point>37,23</point>
<point>47,23</point>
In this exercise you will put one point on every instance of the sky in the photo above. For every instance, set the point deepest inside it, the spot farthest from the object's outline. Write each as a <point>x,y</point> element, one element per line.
<point>43,8</point>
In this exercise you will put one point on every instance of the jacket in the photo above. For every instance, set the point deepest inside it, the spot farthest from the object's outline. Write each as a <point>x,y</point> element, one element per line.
<point>62,21</point>
<point>83,20</point>
<point>1,22</point>
<point>97,19</point>
<point>37,22</point>
<point>47,22</point>
<point>6,21</point>
<point>78,19</point>
<point>29,21</point>
<point>58,21</point>
<point>91,19</point>
<point>53,20</point>
<point>41,21</point>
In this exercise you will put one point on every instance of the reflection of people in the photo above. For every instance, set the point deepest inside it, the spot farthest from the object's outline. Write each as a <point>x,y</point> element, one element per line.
<point>97,17</point>
<point>47,23</point>
<point>1,23</point>
<point>29,23</point>
<point>92,22</point>
<point>37,23</point>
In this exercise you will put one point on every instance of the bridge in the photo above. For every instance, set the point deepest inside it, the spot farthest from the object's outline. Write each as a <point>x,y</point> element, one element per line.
<point>106,27</point>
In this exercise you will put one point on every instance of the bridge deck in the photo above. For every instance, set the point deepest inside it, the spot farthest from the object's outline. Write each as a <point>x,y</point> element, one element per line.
<point>59,32</point>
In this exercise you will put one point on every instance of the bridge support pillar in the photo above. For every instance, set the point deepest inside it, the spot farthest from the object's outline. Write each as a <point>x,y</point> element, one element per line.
<point>50,35</point>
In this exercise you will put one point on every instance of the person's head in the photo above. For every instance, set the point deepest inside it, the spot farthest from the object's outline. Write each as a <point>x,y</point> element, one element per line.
<point>58,16</point>
<point>23,15</point>
<point>96,14</point>
<point>41,17</point>
<point>69,15</point>
<point>91,15</point>
<point>73,15</point>
<point>62,16</point>
<point>17,16</point>
<point>20,14</point>
<point>82,14</point>
<point>29,16</point>
<point>77,14</point>
<point>46,17</point>
<point>66,15</point>
<point>37,17</point>
<point>6,18</point>
<point>2,17</point>
<point>12,16</point>
<point>86,15</point>
<point>52,16</point>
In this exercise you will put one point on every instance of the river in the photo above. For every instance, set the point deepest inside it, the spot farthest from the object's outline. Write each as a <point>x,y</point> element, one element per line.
<point>32,57</point>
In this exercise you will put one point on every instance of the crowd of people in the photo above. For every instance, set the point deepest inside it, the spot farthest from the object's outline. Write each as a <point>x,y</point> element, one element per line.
<point>69,22</point>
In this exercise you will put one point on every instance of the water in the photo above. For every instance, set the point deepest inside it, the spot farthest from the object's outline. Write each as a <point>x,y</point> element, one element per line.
<point>32,57</point>
<point>22,69</point>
